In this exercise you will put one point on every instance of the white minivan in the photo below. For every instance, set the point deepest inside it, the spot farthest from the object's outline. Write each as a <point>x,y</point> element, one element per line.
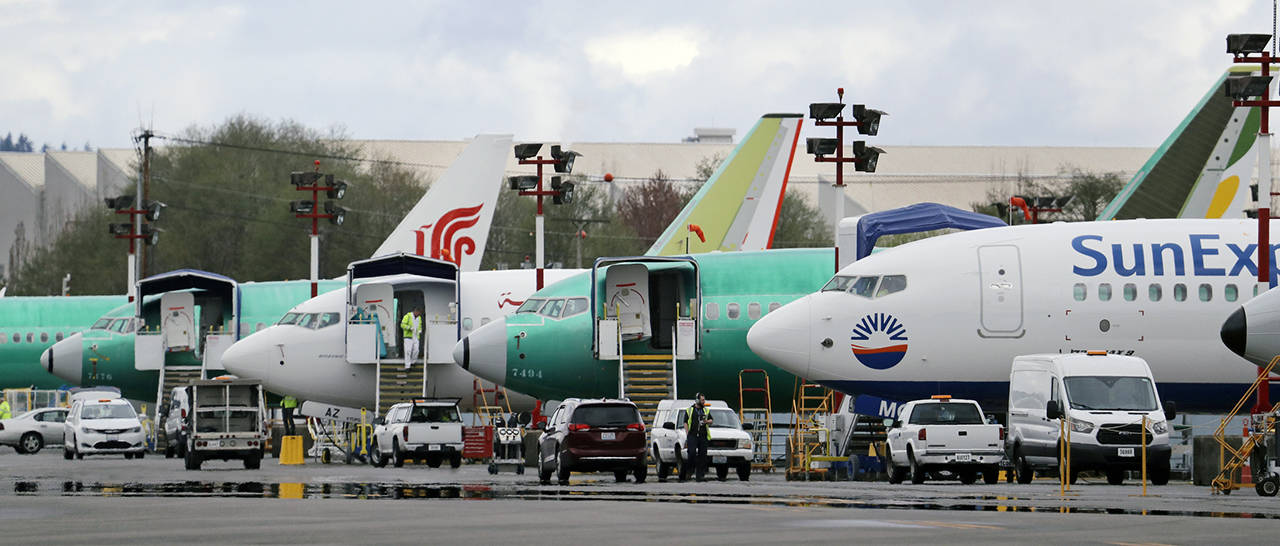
<point>1103,398</point>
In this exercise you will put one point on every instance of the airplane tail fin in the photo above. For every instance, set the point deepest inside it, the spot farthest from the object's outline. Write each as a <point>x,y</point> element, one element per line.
<point>1203,170</point>
<point>737,208</point>
<point>451,221</point>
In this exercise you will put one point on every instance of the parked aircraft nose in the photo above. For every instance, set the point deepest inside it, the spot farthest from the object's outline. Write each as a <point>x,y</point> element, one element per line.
<point>1253,330</point>
<point>254,356</point>
<point>65,359</point>
<point>781,337</point>
<point>484,351</point>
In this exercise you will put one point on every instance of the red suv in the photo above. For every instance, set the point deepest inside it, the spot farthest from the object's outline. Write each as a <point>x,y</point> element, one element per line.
<point>593,436</point>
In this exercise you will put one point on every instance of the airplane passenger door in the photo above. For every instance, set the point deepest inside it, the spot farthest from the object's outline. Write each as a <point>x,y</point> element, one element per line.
<point>1000,271</point>
<point>373,317</point>
<point>627,295</point>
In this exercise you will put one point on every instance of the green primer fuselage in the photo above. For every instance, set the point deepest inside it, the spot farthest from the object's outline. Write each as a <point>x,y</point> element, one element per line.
<point>554,359</point>
<point>29,325</point>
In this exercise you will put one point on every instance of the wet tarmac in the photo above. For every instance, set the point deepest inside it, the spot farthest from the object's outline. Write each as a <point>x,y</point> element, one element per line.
<point>38,491</point>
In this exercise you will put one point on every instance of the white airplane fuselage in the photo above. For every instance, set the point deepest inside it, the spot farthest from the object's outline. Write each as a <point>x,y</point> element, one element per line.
<point>312,364</point>
<point>1157,289</point>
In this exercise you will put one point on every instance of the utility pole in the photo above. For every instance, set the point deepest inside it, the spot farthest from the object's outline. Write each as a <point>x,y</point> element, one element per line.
<point>316,182</point>
<point>144,193</point>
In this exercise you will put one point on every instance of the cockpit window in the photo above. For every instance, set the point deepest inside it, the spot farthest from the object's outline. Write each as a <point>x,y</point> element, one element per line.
<point>839,283</point>
<point>102,324</point>
<point>574,306</point>
<point>552,308</point>
<point>530,305</point>
<point>119,325</point>
<point>327,319</point>
<point>290,318</point>
<point>890,284</point>
<point>864,286</point>
<point>308,320</point>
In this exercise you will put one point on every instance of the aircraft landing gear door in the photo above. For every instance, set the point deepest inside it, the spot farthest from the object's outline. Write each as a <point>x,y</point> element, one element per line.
<point>372,327</point>
<point>626,298</point>
<point>1000,269</point>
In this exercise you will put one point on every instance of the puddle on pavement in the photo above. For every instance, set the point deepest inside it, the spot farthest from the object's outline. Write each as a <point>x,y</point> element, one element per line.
<point>375,491</point>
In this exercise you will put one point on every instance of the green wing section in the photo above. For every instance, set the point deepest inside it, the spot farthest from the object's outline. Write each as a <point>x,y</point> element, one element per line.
<point>737,208</point>
<point>1202,169</point>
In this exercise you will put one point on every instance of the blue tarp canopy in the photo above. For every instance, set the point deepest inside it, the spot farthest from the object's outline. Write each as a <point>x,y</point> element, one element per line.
<point>184,279</point>
<point>403,264</point>
<point>916,218</point>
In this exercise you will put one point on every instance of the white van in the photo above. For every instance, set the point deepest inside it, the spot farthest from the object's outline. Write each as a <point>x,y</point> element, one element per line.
<point>1103,397</point>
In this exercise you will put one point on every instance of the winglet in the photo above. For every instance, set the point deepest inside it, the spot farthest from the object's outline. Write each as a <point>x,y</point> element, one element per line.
<point>451,221</point>
<point>738,206</point>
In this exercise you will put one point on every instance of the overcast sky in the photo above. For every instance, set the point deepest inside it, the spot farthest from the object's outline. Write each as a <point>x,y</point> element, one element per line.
<point>1064,73</point>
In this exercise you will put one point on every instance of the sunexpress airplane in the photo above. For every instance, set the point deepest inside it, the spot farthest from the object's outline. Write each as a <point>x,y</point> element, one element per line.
<point>557,359</point>
<point>960,307</point>
<point>736,209</point>
<point>451,220</point>
<point>29,325</point>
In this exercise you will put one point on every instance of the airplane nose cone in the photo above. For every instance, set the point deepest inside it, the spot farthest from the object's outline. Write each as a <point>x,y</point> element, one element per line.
<point>781,337</point>
<point>484,351</point>
<point>1233,331</point>
<point>252,357</point>
<point>65,359</point>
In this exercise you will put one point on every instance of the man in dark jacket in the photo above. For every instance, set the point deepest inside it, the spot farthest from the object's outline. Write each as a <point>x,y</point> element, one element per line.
<point>698,425</point>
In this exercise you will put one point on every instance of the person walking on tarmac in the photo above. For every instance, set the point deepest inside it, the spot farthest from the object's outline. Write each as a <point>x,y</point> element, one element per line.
<point>698,425</point>
<point>287,405</point>
<point>411,326</point>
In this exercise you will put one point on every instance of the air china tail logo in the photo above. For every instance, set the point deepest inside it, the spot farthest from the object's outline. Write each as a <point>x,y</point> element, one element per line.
<point>879,334</point>
<point>445,243</point>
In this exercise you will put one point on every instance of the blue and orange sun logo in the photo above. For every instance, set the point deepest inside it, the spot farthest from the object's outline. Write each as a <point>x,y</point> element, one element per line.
<point>879,333</point>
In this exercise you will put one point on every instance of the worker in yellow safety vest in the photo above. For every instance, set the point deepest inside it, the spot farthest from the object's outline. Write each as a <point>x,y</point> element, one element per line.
<point>697,436</point>
<point>287,405</point>
<point>411,326</point>
<point>5,411</point>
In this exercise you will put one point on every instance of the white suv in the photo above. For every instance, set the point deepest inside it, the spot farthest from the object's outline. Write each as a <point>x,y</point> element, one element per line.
<point>730,445</point>
<point>101,427</point>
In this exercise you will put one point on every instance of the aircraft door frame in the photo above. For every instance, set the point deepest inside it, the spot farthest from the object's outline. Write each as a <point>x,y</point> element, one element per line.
<point>1001,296</point>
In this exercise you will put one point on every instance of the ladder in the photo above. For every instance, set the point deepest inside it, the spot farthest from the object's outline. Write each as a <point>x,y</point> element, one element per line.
<point>1225,480</point>
<point>170,377</point>
<point>758,411</point>
<point>646,380</point>
<point>486,413</point>
<point>810,437</point>
<point>398,384</point>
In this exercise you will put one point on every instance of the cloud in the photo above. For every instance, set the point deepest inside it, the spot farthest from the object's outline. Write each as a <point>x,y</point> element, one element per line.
<point>640,56</point>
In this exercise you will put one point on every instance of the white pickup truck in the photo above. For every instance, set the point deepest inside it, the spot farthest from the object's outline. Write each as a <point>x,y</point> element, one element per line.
<point>426,429</point>
<point>944,434</point>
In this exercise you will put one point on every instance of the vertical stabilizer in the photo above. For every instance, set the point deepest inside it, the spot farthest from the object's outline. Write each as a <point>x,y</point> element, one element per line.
<point>451,221</point>
<point>1203,170</point>
<point>737,208</point>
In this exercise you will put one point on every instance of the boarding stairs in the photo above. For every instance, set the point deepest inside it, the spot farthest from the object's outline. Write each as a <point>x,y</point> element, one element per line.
<point>755,406</point>
<point>866,433</point>
<point>646,380</point>
<point>170,377</point>
<point>1225,480</point>
<point>489,411</point>
<point>398,384</point>
<point>810,437</point>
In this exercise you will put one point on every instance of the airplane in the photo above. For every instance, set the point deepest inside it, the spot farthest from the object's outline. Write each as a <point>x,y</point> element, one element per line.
<point>961,306</point>
<point>736,209</point>
<point>450,222</point>
<point>30,325</point>
<point>1253,329</point>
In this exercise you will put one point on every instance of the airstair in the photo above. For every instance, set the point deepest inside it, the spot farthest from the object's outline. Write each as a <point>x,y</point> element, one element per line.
<point>170,377</point>
<point>755,407</point>
<point>398,384</point>
<point>810,436</point>
<point>489,412</point>
<point>646,380</point>
<point>1265,427</point>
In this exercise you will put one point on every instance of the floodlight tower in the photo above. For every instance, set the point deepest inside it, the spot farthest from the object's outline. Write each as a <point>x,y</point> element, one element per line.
<point>334,189</point>
<point>561,190</point>
<point>864,159</point>
<point>135,230</point>
<point>1252,48</point>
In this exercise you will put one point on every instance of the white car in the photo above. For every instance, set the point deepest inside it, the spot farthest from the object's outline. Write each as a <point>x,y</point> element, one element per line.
<point>730,445</point>
<point>103,426</point>
<point>428,429</point>
<point>944,434</point>
<point>30,432</point>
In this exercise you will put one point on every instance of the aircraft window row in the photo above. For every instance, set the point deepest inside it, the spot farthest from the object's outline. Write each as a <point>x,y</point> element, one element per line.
<point>17,337</point>
<point>1155,292</point>
<point>733,310</point>
<point>866,286</point>
<point>555,307</point>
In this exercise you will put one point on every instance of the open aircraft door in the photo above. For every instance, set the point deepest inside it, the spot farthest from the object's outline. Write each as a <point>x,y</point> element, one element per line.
<point>372,328</point>
<point>646,299</point>
<point>1000,271</point>
<point>196,318</point>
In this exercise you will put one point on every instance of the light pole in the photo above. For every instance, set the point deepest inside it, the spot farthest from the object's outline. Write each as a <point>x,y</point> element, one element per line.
<point>864,159</point>
<point>135,229</point>
<point>561,190</point>
<point>334,189</point>
<point>1251,48</point>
